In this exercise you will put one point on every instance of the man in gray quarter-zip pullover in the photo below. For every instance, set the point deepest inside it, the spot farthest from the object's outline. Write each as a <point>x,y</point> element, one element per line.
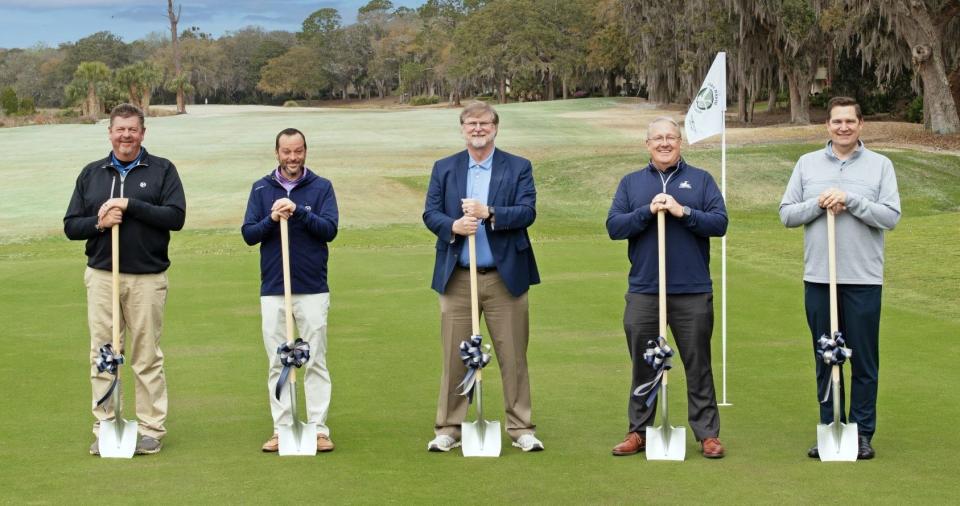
<point>859,187</point>
<point>143,194</point>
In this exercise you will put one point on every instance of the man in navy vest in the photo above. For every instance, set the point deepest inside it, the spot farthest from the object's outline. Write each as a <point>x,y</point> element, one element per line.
<point>306,200</point>
<point>696,212</point>
<point>489,193</point>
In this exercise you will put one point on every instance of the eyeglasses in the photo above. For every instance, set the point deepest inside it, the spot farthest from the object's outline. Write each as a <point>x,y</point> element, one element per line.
<point>671,139</point>
<point>473,125</point>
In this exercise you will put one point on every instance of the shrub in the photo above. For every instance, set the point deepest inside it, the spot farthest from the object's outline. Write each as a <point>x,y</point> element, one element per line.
<point>581,94</point>
<point>914,112</point>
<point>27,106</point>
<point>9,101</point>
<point>425,100</point>
<point>291,103</point>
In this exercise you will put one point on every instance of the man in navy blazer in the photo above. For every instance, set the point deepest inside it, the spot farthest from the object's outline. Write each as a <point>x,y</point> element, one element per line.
<point>489,193</point>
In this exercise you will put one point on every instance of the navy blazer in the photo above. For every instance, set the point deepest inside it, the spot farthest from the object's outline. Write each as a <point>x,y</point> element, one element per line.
<point>514,197</point>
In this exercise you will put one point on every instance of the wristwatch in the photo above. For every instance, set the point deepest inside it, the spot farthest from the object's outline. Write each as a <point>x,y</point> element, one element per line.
<point>98,227</point>
<point>687,211</point>
<point>491,211</point>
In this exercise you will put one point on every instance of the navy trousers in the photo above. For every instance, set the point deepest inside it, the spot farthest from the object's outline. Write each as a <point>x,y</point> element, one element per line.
<point>858,308</point>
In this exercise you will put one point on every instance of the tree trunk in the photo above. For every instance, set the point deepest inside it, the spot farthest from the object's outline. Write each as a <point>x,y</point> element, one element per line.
<point>742,102</point>
<point>145,101</point>
<point>799,83</point>
<point>174,19</point>
<point>772,98</point>
<point>925,40</point>
<point>940,110</point>
<point>91,104</point>
<point>503,90</point>
<point>565,87</point>
<point>551,93</point>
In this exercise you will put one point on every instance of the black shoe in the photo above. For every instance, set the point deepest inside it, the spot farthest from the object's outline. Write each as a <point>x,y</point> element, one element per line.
<point>813,452</point>
<point>865,452</point>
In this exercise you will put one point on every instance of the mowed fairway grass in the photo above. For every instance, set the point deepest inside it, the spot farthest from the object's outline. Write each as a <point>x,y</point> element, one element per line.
<point>384,352</point>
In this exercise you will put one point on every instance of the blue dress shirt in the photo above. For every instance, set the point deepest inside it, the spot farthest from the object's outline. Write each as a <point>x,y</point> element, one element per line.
<point>478,187</point>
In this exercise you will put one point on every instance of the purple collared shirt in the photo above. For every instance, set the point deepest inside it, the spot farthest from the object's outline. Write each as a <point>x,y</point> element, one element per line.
<point>286,183</point>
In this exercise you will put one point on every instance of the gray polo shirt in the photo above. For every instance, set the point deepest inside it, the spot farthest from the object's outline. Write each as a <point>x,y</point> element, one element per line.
<point>873,205</point>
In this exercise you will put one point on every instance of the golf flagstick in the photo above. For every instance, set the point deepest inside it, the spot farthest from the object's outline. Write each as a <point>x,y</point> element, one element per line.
<point>836,441</point>
<point>480,438</point>
<point>117,438</point>
<point>664,442</point>
<point>297,438</point>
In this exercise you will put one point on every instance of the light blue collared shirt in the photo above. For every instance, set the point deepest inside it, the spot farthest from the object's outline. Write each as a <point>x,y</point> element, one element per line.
<point>478,187</point>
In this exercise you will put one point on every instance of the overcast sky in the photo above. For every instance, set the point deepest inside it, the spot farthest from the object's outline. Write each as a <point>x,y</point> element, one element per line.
<point>25,23</point>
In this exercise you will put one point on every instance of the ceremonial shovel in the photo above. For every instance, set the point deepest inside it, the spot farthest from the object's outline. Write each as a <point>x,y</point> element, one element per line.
<point>118,437</point>
<point>835,441</point>
<point>664,442</point>
<point>480,438</point>
<point>297,438</point>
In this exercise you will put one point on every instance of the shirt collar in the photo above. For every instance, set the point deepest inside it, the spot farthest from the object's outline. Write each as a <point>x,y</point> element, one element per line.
<point>485,164</point>
<point>281,179</point>
<point>856,152</point>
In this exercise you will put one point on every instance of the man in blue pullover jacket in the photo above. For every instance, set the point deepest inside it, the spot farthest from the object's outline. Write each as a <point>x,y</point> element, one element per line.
<point>307,201</point>
<point>696,212</point>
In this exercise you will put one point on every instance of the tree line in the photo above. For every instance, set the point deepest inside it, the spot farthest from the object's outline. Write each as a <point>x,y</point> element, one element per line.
<point>890,54</point>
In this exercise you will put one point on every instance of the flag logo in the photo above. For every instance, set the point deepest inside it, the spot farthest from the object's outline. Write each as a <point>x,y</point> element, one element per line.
<point>686,185</point>
<point>707,97</point>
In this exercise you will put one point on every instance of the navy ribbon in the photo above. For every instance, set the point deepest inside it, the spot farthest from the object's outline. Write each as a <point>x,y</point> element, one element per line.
<point>472,355</point>
<point>832,351</point>
<point>291,356</point>
<point>657,355</point>
<point>108,362</point>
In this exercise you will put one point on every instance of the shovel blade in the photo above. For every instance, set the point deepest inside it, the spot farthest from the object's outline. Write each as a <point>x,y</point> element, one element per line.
<point>666,443</point>
<point>117,439</point>
<point>480,439</point>
<point>298,439</point>
<point>837,442</point>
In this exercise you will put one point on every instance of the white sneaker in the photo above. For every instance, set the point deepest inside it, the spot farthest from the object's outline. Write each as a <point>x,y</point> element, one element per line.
<point>442,443</point>
<point>528,443</point>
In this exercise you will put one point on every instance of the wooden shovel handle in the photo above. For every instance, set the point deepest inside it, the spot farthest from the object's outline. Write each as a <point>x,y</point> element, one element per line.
<point>474,297</point>
<point>115,267</point>
<point>287,292</point>
<point>662,269</point>
<point>832,266</point>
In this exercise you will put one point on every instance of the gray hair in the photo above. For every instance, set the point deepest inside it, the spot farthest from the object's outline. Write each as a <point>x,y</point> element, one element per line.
<point>477,108</point>
<point>664,119</point>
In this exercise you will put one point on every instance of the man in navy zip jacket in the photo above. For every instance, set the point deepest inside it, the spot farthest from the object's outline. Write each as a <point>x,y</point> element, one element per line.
<point>144,193</point>
<point>696,212</point>
<point>307,201</point>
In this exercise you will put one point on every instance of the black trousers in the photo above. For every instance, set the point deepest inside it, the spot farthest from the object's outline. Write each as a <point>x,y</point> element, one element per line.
<point>858,308</point>
<point>690,318</point>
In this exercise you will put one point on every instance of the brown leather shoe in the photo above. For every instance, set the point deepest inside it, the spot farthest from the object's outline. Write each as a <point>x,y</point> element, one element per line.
<point>633,443</point>
<point>272,444</point>
<point>324,444</point>
<point>712,448</point>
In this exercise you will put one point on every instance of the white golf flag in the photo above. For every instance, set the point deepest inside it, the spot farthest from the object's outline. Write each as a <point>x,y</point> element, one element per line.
<point>705,116</point>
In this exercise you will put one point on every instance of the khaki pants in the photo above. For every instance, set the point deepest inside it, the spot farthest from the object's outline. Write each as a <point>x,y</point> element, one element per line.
<point>310,316</point>
<point>509,326</point>
<point>142,298</point>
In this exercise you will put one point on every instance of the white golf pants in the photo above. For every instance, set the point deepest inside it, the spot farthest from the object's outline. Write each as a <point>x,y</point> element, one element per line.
<point>310,317</point>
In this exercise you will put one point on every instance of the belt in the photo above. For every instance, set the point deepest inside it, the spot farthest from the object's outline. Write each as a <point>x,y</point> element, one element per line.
<point>480,270</point>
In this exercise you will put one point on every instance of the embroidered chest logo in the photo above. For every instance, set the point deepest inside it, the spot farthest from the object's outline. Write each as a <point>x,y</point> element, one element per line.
<point>143,184</point>
<point>308,208</point>
<point>685,185</point>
